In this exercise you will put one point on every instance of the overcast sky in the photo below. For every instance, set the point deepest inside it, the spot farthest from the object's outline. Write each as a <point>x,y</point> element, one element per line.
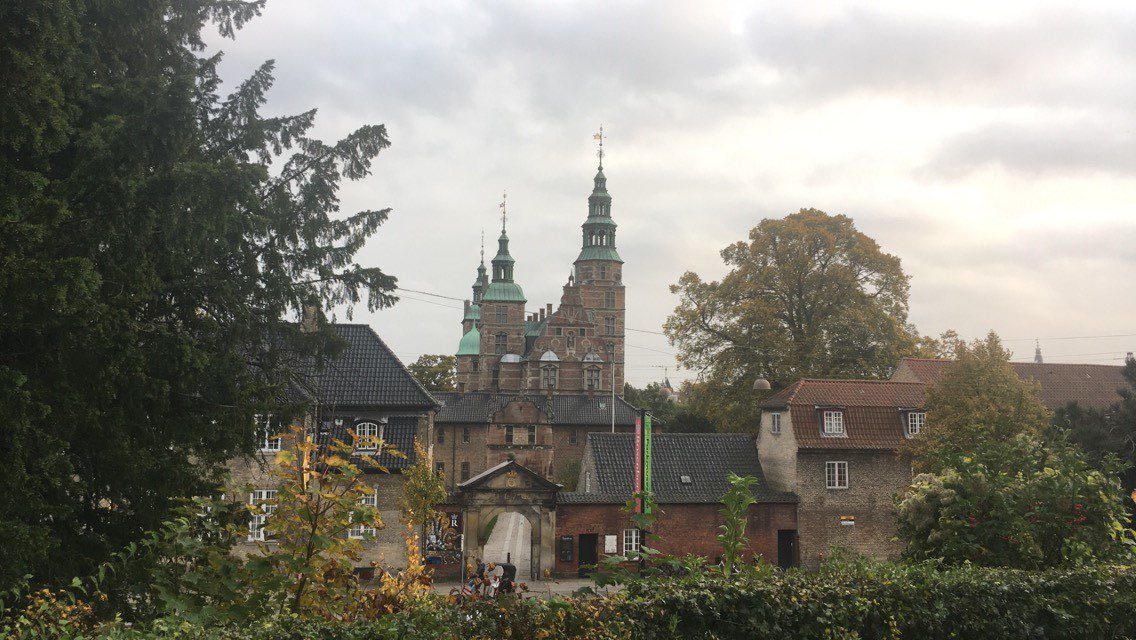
<point>991,146</point>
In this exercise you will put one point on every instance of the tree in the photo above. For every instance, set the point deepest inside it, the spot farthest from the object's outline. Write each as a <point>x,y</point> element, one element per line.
<point>154,238</point>
<point>422,491</point>
<point>806,296</point>
<point>435,372</point>
<point>1108,433</point>
<point>999,487</point>
<point>980,405</point>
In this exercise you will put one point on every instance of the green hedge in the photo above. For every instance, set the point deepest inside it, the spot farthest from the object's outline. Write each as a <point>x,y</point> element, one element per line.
<point>859,600</point>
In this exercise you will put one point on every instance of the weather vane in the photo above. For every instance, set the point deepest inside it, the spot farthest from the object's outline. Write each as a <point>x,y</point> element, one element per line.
<point>600,136</point>
<point>483,245</point>
<point>504,198</point>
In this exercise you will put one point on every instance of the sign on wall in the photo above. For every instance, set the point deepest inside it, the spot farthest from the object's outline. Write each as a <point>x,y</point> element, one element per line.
<point>637,463</point>
<point>611,544</point>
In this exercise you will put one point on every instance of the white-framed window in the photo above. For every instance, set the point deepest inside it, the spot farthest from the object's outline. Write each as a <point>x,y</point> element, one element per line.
<point>549,376</point>
<point>362,531</point>
<point>368,436</point>
<point>264,502</point>
<point>266,433</point>
<point>592,378</point>
<point>916,420</point>
<point>836,475</point>
<point>630,541</point>
<point>775,423</point>
<point>833,422</point>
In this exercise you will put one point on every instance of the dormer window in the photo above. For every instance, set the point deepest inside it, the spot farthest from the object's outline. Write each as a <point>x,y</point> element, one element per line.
<point>684,479</point>
<point>916,420</point>
<point>368,435</point>
<point>832,424</point>
<point>269,439</point>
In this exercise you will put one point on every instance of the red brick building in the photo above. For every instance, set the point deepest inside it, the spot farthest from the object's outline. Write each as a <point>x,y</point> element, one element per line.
<point>689,474</point>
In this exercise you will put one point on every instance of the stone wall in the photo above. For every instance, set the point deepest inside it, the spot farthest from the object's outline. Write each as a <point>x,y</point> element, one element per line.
<point>869,513</point>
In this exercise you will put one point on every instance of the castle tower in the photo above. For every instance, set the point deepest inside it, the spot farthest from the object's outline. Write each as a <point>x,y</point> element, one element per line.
<point>469,348</point>
<point>502,312</point>
<point>598,278</point>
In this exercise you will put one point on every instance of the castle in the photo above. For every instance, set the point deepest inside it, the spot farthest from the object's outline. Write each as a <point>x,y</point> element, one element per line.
<point>530,383</point>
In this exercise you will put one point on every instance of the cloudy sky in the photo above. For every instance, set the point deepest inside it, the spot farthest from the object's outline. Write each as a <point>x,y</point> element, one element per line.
<point>991,146</point>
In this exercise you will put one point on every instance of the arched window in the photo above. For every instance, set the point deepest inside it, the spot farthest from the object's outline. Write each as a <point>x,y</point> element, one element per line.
<point>368,435</point>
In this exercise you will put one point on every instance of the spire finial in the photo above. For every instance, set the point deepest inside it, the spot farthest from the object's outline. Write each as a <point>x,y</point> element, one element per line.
<point>504,199</point>
<point>483,246</point>
<point>600,136</point>
<point>1037,352</point>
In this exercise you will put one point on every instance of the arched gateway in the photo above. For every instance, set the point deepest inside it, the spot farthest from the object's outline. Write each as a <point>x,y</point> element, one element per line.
<point>490,504</point>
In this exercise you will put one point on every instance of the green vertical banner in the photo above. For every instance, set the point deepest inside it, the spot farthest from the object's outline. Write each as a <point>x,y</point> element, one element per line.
<point>647,460</point>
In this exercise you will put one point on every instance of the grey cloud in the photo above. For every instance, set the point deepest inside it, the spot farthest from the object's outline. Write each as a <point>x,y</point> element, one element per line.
<point>1041,148</point>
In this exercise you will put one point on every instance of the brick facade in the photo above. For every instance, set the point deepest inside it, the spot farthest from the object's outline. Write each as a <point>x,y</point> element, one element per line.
<point>680,529</point>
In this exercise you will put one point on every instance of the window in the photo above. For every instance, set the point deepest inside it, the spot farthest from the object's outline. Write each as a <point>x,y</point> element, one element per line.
<point>572,438</point>
<point>465,471</point>
<point>368,435</point>
<point>609,325</point>
<point>566,546</point>
<point>630,541</point>
<point>833,423</point>
<point>609,349</point>
<point>440,467</point>
<point>441,435</point>
<point>603,272</point>
<point>685,479</point>
<point>269,439</point>
<point>836,475</point>
<point>501,344</point>
<point>775,423</point>
<point>915,422</point>
<point>548,377</point>
<point>502,314</point>
<point>558,331</point>
<point>465,435</point>
<point>475,364</point>
<point>609,299</point>
<point>263,500</point>
<point>592,378</point>
<point>363,531</point>
<point>508,435</point>
<point>531,434</point>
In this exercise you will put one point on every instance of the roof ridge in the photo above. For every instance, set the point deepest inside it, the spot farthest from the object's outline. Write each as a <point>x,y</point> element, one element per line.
<point>401,365</point>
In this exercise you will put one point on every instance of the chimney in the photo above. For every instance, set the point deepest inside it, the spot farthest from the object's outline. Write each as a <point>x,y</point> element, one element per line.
<point>1128,357</point>
<point>548,308</point>
<point>309,317</point>
<point>542,313</point>
<point>465,308</point>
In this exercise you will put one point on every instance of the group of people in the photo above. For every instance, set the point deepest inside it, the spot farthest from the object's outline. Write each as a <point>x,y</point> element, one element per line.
<point>490,579</point>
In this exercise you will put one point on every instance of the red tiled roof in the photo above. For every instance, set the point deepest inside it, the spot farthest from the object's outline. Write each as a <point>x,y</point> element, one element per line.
<point>872,417</point>
<point>1090,385</point>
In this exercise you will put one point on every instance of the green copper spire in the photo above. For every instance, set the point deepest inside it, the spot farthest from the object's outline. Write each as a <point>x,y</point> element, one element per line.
<point>502,288</point>
<point>482,280</point>
<point>599,228</point>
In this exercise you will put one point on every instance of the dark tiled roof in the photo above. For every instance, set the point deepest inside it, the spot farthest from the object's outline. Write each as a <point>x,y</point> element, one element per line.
<point>398,433</point>
<point>1090,385</point>
<point>707,458</point>
<point>581,409</point>
<point>872,418</point>
<point>366,374</point>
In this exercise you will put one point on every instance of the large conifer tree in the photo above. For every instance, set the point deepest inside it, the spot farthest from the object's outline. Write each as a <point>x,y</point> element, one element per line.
<point>149,259</point>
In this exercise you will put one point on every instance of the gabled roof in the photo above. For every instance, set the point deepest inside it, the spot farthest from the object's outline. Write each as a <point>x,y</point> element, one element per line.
<point>367,374</point>
<point>577,409</point>
<point>1090,385</point>
<point>538,481</point>
<point>872,411</point>
<point>706,458</point>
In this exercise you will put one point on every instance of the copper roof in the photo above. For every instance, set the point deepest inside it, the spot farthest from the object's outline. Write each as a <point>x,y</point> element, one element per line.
<point>873,417</point>
<point>1090,385</point>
